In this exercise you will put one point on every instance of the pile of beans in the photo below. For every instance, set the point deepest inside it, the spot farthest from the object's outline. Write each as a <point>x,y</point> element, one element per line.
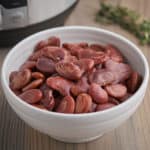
<point>74,77</point>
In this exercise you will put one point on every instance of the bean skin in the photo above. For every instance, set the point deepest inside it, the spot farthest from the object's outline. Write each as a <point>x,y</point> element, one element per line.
<point>20,79</point>
<point>60,84</point>
<point>37,75</point>
<point>53,41</point>
<point>83,103</point>
<point>116,90</point>
<point>31,96</point>
<point>134,82</point>
<point>39,106</point>
<point>32,85</point>
<point>45,65</point>
<point>98,94</point>
<point>101,107</point>
<point>82,86</point>
<point>67,105</point>
<point>48,99</point>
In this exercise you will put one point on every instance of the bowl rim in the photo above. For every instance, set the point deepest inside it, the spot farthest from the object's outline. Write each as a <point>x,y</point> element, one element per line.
<point>56,114</point>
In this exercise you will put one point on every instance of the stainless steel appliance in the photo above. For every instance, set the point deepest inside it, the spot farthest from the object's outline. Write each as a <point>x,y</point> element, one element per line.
<point>20,18</point>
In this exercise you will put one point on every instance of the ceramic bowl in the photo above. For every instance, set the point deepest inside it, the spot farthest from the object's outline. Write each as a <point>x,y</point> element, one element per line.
<point>75,127</point>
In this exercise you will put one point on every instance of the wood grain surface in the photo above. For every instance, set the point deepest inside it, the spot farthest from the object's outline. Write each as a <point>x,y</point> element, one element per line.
<point>134,134</point>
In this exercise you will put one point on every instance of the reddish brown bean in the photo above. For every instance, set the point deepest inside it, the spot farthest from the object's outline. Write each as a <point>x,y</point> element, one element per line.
<point>128,95</point>
<point>98,56</point>
<point>70,58</point>
<point>102,107</point>
<point>114,53</point>
<point>83,44</point>
<point>45,65</point>
<point>69,70</point>
<point>98,94</point>
<point>44,87</point>
<point>41,45</point>
<point>114,100</point>
<point>33,85</point>
<point>93,107</point>
<point>48,99</point>
<point>17,92</point>
<point>12,75</point>
<point>81,86</point>
<point>121,71</point>
<point>53,41</point>
<point>55,53</point>
<point>102,77</point>
<point>36,55</point>
<point>37,75</point>
<point>85,64</point>
<point>134,82</point>
<point>40,106</point>
<point>20,79</point>
<point>97,47</point>
<point>67,105</point>
<point>83,103</point>
<point>116,90</point>
<point>74,49</point>
<point>31,96</point>
<point>60,84</point>
<point>57,101</point>
<point>28,65</point>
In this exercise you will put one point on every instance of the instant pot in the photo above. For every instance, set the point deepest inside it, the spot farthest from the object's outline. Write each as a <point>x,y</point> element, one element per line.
<point>20,18</point>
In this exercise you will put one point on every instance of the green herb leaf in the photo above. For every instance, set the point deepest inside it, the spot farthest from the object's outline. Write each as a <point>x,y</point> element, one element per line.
<point>125,18</point>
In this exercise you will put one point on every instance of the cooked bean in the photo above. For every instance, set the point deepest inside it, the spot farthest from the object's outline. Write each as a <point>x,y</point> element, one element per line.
<point>37,75</point>
<point>67,105</point>
<point>102,77</point>
<point>97,47</point>
<point>83,103</point>
<point>41,45</point>
<point>98,94</point>
<point>60,84</point>
<point>121,71</point>
<point>134,82</point>
<point>20,79</point>
<point>99,57</point>
<point>128,95</point>
<point>93,107</point>
<point>55,53</point>
<point>48,99</point>
<point>53,41</point>
<point>69,70</point>
<point>101,107</point>
<point>74,49</point>
<point>31,96</point>
<point>114,100</point>
<point>28,65</point>
<point>45,65</point>
<point>33,85</point>
<point>81,86</point>
<point>116,90</point>
<point>85,64</point>
<point>39,106</point>
<point>114,53</point>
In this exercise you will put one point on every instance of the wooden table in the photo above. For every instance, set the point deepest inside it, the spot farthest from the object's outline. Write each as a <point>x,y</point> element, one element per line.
<point>134,134</point>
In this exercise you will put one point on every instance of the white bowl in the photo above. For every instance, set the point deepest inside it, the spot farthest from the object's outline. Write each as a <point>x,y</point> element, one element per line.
<point>75,127</point>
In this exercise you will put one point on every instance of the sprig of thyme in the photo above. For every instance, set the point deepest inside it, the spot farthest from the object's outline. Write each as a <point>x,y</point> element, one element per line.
<point>127,19</point>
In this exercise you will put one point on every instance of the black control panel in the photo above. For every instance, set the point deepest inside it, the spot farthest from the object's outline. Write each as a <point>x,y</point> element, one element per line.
<point>8,4</point>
